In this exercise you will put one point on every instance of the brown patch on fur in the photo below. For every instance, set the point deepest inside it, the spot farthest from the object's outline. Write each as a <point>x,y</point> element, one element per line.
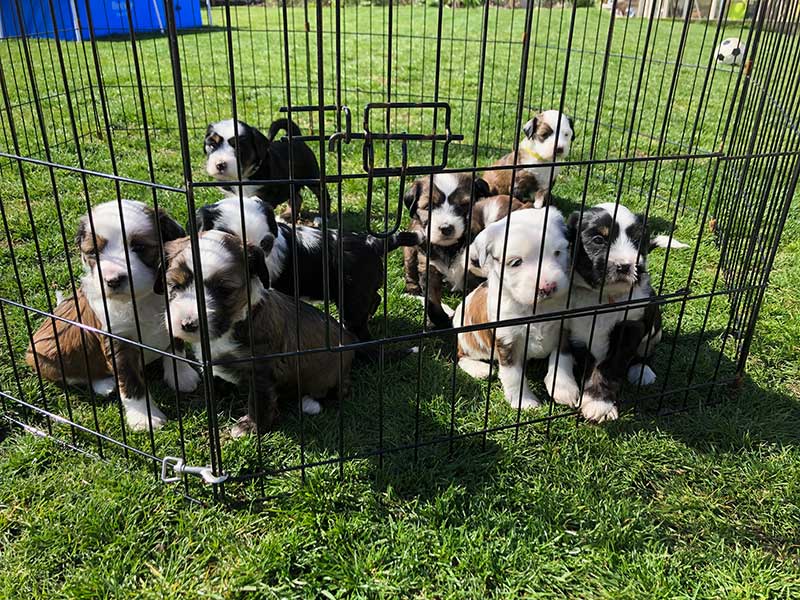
<point>603,230</point>
<point>75,368</point>
<point>274,328</point>
<point>505,352</point>
<point>525,184</point>
<point>543,131</point>
<point>475,313</point>
<point>494,206</point>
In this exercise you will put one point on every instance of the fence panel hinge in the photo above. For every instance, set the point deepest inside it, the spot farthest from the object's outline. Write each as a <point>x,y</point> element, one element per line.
<point>179,467</point>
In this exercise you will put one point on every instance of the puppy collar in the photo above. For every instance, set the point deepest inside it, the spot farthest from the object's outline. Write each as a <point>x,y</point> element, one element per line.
<point>533,154</point>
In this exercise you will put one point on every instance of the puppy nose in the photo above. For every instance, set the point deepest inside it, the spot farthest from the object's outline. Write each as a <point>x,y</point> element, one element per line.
<point>623,269</point>
<point>115,281</point>
<point>221,166</point>
<point>560,150</point>
<point>189,325</point>
<point>447,229</point>
<point>548,288</point>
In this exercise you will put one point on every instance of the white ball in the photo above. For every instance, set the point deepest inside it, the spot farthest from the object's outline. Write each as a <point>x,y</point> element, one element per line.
<point>730,52</point>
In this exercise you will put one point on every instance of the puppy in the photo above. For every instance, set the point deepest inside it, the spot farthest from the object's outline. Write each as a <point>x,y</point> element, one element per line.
<point>362,266</point>
<point>105,271</point>
<point>259,157</point>
<point>272,321</point>
<point>445,206</point>
<point>618,341</point>
<point>539,146</point>
<point>526,262</point>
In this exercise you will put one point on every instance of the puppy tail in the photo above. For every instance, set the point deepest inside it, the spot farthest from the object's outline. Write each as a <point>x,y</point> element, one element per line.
<point>283,125</point>
<point>372,354</point>
<point>395,241</point>
<point>666,241</point>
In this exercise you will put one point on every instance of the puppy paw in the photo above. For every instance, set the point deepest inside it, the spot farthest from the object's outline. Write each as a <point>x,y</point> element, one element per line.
<point>188,378</point>
<point>244,426</point>
<point>477,369</point>
<point>565,391</point>
<point>311,406</point>
<point>104,387</point>
<point>136,415</point>
<point>527,403</point>
<point>641,370</point>
<point>598,411</point>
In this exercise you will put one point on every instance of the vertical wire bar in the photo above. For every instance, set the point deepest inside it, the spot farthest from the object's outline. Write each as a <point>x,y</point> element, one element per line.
<point>215,450</point>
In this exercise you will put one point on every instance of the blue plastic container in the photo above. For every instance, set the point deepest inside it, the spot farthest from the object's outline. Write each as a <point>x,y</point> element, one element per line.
<point>108,17</point>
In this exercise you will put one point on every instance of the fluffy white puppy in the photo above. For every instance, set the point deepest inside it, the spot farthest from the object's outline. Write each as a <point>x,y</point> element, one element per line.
<point>535,279</point>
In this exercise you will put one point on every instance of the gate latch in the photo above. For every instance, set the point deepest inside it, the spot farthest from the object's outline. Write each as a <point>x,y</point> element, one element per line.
<point>179,467</point>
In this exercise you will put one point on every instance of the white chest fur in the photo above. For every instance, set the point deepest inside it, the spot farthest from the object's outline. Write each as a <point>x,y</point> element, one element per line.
<point>594,331</point>
<point>225,346</point>
<point>453,273</point>
<point>150,312</point>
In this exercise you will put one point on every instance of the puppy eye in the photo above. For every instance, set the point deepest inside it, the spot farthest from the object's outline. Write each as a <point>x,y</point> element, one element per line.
<point>557,253</point>
<point>599,239</point>
<point>137,247</point>
<point>514,262</point>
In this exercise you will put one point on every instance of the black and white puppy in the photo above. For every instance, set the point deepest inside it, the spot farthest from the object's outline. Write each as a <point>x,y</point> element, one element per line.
<point>362,267</point>
<point>117,272</point>
<point>444,209</point>
<point>272,318</point>
<point>232,147</point>
<point>610,246</point>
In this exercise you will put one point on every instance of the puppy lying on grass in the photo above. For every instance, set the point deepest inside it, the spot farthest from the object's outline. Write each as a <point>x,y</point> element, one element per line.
<point>272,319</point>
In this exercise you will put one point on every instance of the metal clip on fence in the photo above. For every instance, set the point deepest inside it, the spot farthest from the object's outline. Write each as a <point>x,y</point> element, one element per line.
<point>179,467</point>
<point>345,135</point>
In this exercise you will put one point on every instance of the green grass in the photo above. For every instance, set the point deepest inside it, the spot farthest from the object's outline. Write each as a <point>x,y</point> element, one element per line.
<point>702,505</point>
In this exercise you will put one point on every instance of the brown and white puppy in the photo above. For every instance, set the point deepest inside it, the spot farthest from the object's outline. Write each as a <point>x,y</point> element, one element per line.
<point>443,208</point>
<point>533,280</point>
<point>116,276</point>
<point>272,319</point>
<point>540,145</point>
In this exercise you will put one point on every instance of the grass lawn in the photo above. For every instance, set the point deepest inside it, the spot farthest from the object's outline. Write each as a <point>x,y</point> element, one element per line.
<point>699,504</point>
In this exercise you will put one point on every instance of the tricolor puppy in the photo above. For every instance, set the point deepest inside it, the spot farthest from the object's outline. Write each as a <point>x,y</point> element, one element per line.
<point>540,145</point>
<point>109,288</point>
<point>234,148</point>
<point>442,210</point>
<point>610,246</point>
<point>272,320</point>
<point>535,280</point>
<point>361,269</point>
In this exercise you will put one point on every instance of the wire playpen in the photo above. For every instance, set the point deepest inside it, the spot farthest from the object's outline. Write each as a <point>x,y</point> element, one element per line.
<point>385,93</point>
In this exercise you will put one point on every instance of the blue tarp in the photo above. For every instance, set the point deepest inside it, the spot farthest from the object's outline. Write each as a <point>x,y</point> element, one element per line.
<point>108,17</point>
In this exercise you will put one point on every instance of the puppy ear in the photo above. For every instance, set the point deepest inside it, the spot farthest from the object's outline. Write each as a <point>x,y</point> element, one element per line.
<point>82,227</point>
<point>267,242</point>
<point>257,265</point>
<point>260,144</point>
<point>530,128</point>
<point>205,217</point>
<point>482,188</point>
<point>171,248</point>
<point>480,252</point>
<point>411,196</point>
<point>269,215</point>
<point>169,227</point>
<point>209,131</point>
<point>571,126</point>
<point>572,227</point>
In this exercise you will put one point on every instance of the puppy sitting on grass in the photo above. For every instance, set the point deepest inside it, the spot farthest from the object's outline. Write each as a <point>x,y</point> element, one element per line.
<point>272,320</point>
<point>118,275</point>
<point>540,145</point>
<point>534,280</point>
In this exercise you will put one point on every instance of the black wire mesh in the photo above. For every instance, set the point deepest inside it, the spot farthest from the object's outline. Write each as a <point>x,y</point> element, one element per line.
<point>385,93</point>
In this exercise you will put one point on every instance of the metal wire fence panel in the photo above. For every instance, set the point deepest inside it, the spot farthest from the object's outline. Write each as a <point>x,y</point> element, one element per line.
<point>390,100</point>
